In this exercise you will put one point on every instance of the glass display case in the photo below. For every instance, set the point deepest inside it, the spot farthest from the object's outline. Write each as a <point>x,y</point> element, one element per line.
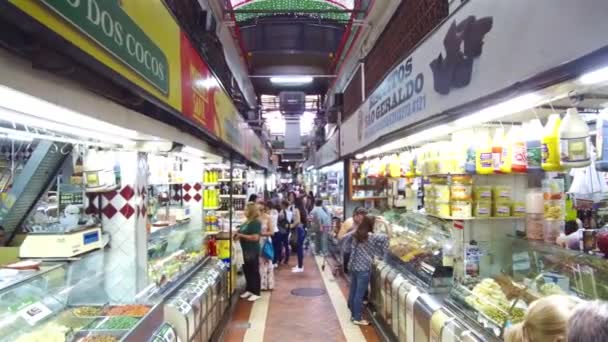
<point>421,247</point>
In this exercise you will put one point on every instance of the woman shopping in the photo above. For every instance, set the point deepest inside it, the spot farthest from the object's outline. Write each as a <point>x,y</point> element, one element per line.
<point>268,218</point>
<point>249,236</point>
<point>365,245</point>
<point>281,237</point>
<point>297,228</point>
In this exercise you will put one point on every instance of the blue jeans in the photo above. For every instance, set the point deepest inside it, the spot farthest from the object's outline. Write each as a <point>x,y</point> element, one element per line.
<point>280,242</point>
<point>301,235</point>
<point>359,280</point>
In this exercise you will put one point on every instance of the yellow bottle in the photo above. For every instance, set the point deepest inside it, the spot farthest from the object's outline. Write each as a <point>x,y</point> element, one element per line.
<point>550,144</point>
<point>483,155</point>
<point>507,152</point>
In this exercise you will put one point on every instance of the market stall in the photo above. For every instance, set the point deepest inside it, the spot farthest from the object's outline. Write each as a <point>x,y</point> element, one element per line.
<point>107,226</point>
<point>491,175</point>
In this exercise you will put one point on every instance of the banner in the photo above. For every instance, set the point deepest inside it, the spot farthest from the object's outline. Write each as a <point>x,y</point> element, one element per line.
<point>329,152</point>
<point>138,39</point>
<point>482,48</point>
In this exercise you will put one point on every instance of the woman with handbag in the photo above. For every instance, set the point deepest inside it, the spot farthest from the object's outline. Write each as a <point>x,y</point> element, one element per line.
<point>365,245</point>
<point>281,237</point>
<point>249,236</point>
<point>267,255</point>
<point>299,232</point>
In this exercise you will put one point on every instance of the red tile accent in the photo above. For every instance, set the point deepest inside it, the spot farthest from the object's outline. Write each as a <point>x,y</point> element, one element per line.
<point>176,197</point>
<point>198,186</point>
<point>187,187</point>
<point>198,197</point>
<point>110,195</point>
<point>143,210</point>
<point>127,211</point>
<point>109,211</point>
<point>127,192</point>
<point>187,198</point>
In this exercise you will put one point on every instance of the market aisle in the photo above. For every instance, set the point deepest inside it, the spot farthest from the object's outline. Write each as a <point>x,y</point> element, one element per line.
<point>305,306</point>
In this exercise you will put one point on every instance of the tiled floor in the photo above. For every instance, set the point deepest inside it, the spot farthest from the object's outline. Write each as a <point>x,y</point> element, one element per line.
<point>296,318</point>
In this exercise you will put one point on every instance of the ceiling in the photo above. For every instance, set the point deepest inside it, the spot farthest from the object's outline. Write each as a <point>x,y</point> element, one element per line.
<point>293,37</point>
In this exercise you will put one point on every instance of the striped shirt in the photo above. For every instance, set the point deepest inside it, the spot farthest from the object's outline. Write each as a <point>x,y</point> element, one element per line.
<point>362,253</point>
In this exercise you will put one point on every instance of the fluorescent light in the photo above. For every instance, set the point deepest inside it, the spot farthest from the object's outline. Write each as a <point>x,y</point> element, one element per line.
<point>291,80</point>
<point>360,156</point>
<point>17,137</point>
<point>31,111</point>
<point>491,113</point>
<point>193,151</point>
<point>29,136</point>
<point>500,110</point>
<point>593,77</point>
<point>310,167</point>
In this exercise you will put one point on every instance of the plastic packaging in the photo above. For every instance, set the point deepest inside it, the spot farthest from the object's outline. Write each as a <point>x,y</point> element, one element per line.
<point>442,192</point>
<point>461,209</point>
<point>497,149</point>
<point>551,230</point>
<point>601,141</point>
<point>519,209</point>
<point>550,144</point>
<point>533,147</point>
<point>442,209</point>
<point>534,201</point>
<point>482,192</point>
<point>501,193</point>
<point>502,209</point>
<point>483,154</point>
<point>482,209</point>
<point>518,149</point>
<point>534,226</point>
<point>574,140</point>
<point>507,152</point>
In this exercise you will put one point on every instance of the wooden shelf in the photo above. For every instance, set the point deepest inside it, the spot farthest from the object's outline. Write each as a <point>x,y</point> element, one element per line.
<point>233,196</point>
<point>369,198</point>
<point>492,218</point>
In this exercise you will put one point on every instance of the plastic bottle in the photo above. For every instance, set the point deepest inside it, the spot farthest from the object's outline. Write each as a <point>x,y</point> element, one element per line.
<point>574,140</point>
<point>507,152</point>
<point>518,148</point>
<point>601,141</point>
<point>550,144</point>
<point>497,148</point>
<point>483,154</point>
<point>533,148</point>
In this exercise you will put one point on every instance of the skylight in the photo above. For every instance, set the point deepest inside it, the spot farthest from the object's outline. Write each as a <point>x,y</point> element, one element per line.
<point>308,7</point>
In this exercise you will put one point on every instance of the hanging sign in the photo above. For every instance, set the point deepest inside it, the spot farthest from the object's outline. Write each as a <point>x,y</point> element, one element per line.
<point>482,48</point>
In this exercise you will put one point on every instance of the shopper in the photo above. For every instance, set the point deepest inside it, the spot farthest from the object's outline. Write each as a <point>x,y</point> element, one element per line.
<point>321,223</point>
<point>365,246</point>
<point>281,237</point>
<point>589,322</point>
<point>297,228</point>
<point>249,236</point>
<point>253,198</point>
<point>546,321</point>
<point>344,235</point>
<point>268,230</point>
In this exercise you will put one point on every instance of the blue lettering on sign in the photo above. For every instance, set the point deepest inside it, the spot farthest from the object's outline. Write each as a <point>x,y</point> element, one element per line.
<point>402,112</point>
<point>90,237</point>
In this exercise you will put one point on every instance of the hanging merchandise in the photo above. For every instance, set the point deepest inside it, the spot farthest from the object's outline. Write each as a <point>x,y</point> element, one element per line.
<point>601,141</point>
<point>550,144</point>
<point>507,153</point>
<point>574,140</point>
<point>483,154</point>
<point>394,169</point>
<point>533,147</point>
<point>497,150</point>
<point>518,149</point>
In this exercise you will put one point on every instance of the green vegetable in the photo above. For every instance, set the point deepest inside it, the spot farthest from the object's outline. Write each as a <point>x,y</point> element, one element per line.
<point>119,323</point>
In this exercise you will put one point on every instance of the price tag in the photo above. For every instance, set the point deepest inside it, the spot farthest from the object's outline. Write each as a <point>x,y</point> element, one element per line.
<point>34,313</point>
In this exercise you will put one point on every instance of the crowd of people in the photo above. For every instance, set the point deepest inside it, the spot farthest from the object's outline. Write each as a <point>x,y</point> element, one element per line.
<point>280,226</point>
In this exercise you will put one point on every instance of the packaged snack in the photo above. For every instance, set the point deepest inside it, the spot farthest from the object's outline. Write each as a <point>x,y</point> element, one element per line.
<point>461,209</point>
<point>501,193</point>
<point>482,209</point>
<point>502,209</point>
<point>482,192</point>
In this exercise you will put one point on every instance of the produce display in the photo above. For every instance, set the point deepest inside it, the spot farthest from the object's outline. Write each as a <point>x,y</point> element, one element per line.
<point>101,338</point>
<point>166,269</point>
<point>88,311</point>
<point>488,298</point>
<point>118,323</point>
<point>49,333</point>
<point>135,310</point>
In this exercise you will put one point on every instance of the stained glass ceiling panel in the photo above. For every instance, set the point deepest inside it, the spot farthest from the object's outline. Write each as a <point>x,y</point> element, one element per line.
<point>278,7</point>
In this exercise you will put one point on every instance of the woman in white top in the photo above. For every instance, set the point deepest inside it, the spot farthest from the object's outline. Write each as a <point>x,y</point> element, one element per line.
<point>269,226</point>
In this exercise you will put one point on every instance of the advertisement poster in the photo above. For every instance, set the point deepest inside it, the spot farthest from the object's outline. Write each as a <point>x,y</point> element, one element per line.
<point>138,39</point>
<point>465,59</point>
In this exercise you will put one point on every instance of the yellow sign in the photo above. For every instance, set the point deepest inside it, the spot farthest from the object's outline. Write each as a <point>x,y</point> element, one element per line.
<point>152,17</point>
